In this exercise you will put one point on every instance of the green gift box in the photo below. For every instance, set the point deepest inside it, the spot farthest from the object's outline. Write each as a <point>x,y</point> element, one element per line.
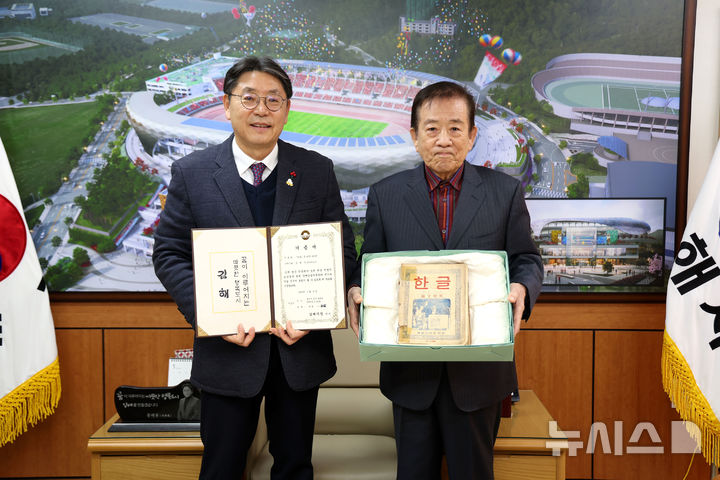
<point>499,352</point>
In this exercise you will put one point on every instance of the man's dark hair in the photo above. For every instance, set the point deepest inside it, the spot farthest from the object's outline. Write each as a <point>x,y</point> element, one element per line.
<point>442,90</point>
<point>255,64</point>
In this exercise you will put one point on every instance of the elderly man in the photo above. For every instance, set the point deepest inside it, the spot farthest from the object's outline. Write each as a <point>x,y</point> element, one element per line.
<point>446,203</point>
<point>251,179</point>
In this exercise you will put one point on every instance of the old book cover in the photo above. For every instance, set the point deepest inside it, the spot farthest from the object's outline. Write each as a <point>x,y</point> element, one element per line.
<point>433,304</point>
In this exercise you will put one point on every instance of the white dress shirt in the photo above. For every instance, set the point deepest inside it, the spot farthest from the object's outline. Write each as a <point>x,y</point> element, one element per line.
<point>243,162</point>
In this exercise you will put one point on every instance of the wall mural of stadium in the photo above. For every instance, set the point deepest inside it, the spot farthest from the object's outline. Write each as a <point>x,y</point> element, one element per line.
<point>577,100</point>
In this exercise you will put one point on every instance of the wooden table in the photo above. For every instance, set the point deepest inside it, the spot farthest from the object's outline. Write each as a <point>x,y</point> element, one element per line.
<point>144,455</point>
<point>521,450</point>
<point>524,447</point>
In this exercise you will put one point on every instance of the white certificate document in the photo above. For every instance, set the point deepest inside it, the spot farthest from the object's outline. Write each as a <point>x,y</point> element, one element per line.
<point>232,283</point>
<point>308,275</point>
<point>260,276</point>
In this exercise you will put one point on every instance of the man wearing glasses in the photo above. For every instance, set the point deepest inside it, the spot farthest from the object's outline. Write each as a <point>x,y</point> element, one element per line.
<point>252,179</point>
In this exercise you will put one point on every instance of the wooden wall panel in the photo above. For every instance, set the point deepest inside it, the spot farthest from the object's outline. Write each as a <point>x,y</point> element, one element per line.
<point>557,365</point>
<point>603,316</point>
<point>545,315</point>
<point>628,388</point>
<point>139,357</point>
<point>57,447</point>
<point>126,314</point>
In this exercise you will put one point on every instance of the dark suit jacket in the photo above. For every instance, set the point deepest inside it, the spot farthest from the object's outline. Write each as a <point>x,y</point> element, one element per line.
<point>490,215</point>
<point>206,192</point>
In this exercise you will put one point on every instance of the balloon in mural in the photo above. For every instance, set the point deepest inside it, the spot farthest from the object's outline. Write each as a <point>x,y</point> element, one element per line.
<point>508,55</point>
<point>250,14</point>
<point>517,58</point>
<point>485,40</point>
<point>496,41</point>
<point>490,69</point>
<point>163,67</point>
<point>203,15</point>
<point>236,13</point>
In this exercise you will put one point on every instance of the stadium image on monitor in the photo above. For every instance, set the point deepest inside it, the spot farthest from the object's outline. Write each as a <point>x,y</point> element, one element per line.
<point>600,245</point>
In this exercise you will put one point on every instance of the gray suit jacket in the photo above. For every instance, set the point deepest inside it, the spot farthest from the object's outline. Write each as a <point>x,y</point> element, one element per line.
<point>490,215</point>
<point>206,192</point>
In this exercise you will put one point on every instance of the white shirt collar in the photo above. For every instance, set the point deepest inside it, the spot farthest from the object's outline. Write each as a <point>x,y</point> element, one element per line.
<point>243,162</point>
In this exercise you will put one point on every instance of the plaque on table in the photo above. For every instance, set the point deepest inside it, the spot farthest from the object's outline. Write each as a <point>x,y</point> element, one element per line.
<point>267,276</point>
<point>175,408</point>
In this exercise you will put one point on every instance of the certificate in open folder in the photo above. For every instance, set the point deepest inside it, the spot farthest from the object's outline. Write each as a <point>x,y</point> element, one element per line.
<point>263,276</point>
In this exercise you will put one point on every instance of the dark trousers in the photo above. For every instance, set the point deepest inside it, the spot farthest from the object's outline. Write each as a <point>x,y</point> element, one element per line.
<point>466,438</point>
<point>228,425</point>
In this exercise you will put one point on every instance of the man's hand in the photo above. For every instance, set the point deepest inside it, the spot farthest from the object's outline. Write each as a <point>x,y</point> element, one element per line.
<point>517,298</point>
<point>288,335</point>
<point>241,338</point>
<point>354,300</point>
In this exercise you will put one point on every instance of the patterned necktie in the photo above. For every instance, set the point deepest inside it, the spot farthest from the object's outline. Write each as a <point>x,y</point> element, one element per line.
<point>257,169</point>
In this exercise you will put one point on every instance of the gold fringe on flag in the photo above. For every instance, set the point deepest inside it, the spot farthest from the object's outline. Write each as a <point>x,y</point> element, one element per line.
<point>680,385</point>
<point>29,403</point>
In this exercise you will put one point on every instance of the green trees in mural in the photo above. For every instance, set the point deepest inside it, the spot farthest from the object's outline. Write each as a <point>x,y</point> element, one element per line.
<point>579,189</point>
<point>114,187</point>
<point>80,256</point>
<point>65,273</point>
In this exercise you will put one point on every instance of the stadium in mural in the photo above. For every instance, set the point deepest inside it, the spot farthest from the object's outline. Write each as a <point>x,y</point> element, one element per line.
<point>147,84</point>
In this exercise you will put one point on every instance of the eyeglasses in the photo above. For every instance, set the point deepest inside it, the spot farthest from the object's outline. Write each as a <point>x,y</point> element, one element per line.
<point>250,101</point>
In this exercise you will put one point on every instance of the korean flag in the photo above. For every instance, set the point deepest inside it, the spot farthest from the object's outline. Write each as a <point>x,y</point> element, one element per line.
<point>29,368</point>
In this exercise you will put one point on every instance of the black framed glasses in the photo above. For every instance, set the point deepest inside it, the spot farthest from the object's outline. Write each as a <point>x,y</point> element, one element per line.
<point>251,100</point>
